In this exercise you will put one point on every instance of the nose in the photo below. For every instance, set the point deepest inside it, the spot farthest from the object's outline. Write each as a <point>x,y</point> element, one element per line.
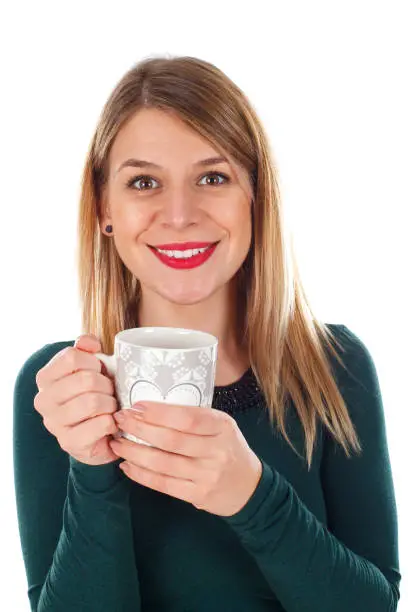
<point>179,209</point>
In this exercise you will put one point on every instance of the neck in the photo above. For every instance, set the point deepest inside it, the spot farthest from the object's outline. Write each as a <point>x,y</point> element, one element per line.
<point>217,315</point>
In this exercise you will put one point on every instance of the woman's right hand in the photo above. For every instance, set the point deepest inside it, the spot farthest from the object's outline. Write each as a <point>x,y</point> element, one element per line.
<point>77,402</point>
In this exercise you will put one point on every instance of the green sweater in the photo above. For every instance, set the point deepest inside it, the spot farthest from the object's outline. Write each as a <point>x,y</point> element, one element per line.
<point>324,540</point>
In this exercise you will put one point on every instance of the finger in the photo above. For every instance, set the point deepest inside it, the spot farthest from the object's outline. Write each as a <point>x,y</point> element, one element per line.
<point>86,406</point>
<point>82,437</point>
<point>70,387</point>
<point>176,487</point>
<point>91,344</point>
<point>167,439</point>
<point>155,459</point>
<point>88,342</point>
<point>193,419</point>
<point>66,362</point>
<point>85,381</point>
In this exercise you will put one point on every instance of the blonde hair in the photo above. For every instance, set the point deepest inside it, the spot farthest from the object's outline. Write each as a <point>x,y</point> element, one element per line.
<point>285,342</point>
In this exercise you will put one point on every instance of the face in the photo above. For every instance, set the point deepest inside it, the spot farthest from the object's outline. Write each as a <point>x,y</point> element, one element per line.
<point>181,201</point>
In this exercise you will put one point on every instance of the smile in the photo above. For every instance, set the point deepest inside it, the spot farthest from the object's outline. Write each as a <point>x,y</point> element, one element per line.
<point>191,258</point>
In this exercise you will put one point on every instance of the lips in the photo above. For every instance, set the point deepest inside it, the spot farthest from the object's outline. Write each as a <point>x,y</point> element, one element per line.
<point>181,263</point>
<point>185,246</point>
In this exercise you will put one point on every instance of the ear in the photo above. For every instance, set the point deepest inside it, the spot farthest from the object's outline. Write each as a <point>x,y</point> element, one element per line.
<point>105,218</point>
<point>103,225</point>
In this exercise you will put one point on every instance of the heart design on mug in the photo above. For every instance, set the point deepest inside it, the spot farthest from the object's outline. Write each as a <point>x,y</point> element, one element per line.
<point>186,394</point>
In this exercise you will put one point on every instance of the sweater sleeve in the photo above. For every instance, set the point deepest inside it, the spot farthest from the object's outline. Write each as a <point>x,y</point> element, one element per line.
<point>352,564</point>
<point>74,519</point>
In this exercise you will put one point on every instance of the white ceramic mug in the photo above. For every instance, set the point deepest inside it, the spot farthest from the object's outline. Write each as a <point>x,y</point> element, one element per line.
<point>163,364</point>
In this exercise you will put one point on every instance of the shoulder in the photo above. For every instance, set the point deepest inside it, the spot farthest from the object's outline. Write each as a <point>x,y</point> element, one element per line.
<point>349,339</point>
<point>355,354</point>
<point>344,335</point>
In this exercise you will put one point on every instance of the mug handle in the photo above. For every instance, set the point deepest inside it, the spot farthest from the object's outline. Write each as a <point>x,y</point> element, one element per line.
<point>109,361</point>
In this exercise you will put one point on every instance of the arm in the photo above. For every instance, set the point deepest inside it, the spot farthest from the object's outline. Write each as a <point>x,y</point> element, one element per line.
<point>353,563</point>
<point>74,519</point>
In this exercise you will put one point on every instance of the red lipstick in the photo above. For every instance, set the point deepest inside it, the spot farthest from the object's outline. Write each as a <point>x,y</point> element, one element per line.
<point>191,262</point>
<point>181,246</point>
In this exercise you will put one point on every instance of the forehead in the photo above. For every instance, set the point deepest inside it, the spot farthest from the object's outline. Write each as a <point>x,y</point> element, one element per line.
<point>163,138</point>
<point>157,129</point>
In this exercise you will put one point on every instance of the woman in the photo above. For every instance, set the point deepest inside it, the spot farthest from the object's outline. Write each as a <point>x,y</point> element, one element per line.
<point>289,503</point>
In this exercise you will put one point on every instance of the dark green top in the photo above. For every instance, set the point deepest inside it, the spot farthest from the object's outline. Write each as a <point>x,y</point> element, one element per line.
<point>324,540</point>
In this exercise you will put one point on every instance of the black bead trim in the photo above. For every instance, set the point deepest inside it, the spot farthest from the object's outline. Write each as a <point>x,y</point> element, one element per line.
<point>239,396</point>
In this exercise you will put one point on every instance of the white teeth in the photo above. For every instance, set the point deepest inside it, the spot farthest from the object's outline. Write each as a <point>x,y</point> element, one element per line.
<point>183,254</point>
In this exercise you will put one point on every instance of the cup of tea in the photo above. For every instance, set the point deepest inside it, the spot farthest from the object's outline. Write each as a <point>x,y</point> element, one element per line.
<point>172,365</point>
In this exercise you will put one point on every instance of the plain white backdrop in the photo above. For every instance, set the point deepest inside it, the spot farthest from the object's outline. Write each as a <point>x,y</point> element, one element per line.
<point>329,81</point>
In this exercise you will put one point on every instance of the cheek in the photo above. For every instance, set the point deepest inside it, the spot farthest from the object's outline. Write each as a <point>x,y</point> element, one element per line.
<point>131,220</point>
<point>130,229</point>
<point>237,222</point>
<point>245,237</point>
<point>233,212</point>
<point>240,223</point>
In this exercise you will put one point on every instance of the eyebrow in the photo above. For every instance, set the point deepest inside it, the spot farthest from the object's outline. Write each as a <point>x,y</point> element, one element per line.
<point>141,163</point>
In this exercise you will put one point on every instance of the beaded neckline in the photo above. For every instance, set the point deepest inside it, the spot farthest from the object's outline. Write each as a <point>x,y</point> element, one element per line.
<point>238,396</point>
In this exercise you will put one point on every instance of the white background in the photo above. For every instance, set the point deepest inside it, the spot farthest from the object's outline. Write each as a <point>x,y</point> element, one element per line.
<point>329,81</point>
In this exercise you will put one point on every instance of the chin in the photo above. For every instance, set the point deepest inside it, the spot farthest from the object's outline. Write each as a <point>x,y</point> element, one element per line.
<point>186,296</point>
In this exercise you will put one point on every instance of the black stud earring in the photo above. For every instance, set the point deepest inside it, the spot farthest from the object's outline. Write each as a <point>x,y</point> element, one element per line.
<point>109,229</point>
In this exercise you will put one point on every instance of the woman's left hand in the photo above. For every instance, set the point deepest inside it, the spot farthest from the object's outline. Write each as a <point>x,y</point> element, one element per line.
<point>201,455</point>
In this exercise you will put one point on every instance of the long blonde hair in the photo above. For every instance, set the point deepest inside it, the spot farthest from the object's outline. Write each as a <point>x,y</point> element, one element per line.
<point>285,342</point>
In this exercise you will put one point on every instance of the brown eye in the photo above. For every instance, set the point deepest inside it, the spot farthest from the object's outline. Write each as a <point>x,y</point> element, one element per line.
<point>143,180</point>
<point>213,174</point>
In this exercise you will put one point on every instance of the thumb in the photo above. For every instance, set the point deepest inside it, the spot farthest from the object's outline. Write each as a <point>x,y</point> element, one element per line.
<point>88,343</point>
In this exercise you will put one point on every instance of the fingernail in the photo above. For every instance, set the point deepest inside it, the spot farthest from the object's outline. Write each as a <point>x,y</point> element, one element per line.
<point>119,416</point>
<point>139,409</point>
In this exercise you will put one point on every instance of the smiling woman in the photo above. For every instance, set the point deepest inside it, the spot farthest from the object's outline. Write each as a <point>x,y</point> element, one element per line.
<point>181,225</point>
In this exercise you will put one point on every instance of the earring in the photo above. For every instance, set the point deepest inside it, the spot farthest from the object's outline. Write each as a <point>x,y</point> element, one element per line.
<point>109,229</point>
